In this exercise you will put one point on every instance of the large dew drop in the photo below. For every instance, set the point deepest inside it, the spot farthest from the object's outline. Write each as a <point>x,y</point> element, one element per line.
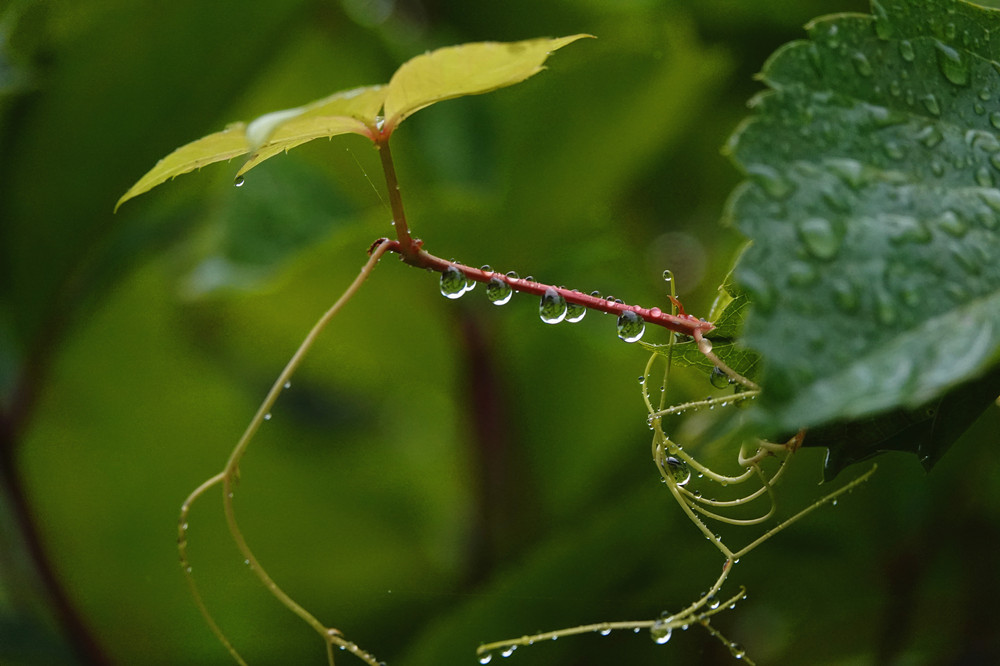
<point>821,239</point>
<point>452,282</point>
<point>661,632</point>
<point>498,292</point>
<point>630,326</point>
<point>678,469</point>
<point>575,312</point>
<point>552,308</point>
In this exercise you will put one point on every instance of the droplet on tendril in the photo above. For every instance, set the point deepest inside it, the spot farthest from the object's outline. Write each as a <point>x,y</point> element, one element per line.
<point>452,282</point>
<point>513,275</point>
<point>509,651</point>
<point>668,276</point>
<point>678,470</point>
<point>661,631</point>
<point>486,658</point>
<point>719,379</point>
<point>575,312</point>
<point>238,182</point>
<point>267,417</point>
<point>552,308</point>
<point>630,326</point>
<point>498,292</point>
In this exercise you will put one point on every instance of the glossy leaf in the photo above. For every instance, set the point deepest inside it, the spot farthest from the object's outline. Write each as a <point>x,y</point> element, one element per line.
<point>469,69</point>
<point>225,145</point>
<point>432,77</point>
<point>343,112</point>
<point>874,214</point>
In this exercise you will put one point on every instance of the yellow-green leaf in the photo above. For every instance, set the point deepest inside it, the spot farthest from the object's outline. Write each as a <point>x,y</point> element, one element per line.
<point>225,145</point>
<point>443,74</point>
<point>341,113</point>
<point>468,69</point>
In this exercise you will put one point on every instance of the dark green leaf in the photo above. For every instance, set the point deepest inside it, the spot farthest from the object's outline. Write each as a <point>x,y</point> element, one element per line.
<point>928,430</point>
<point>872,207</point>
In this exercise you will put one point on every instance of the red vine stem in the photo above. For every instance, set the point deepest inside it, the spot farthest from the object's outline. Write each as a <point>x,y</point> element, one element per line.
<point>411,251</point>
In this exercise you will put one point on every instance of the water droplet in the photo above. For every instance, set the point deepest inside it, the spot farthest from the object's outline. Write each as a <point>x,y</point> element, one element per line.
<point>861,64</point>
<point>845,296</point>
<point>509,651</point>
<point>239,181</point>
<point>267,417</point>
<point>712,602</point>
<point>801,274</point>
<point>852,172</point>
<point>984,177</point>
<point>953,64</point>
<point>452,282</point>
<point>575,312</point>
<point>952,224</point>
<point>820,237</point>
<point>931,104</point>
<point>893,150</point>
<point>906,51</point>
<point>905,229</point>
<point>486,658</point>
<point>552,308</point>
<point>605,631</point>
<point>886,309</point>
<point>661,632</point>
<point>630,326</point>
<point>771,180</point>
<point>668,275</point>
<point>513,275</point>
<point>883,27</point>
<point>498,292</point>
<point>737,650</point>
<point>930,136</point>
<point>288,385</point>
<point>678,469</point>
<point>984,141</point>
<point>719,379</point>
<point>995,119</point>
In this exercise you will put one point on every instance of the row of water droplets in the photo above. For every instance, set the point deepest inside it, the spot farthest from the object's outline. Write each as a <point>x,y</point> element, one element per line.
<point>552,308</point>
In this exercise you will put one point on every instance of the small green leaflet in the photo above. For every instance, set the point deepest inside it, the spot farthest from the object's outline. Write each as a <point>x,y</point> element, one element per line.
<point>372,111</point>
<point>874,215</point>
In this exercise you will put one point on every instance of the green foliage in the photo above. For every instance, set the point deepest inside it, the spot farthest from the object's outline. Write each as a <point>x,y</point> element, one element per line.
<point>874,217</point>
<point>443,74</point>
<point>373,494</point>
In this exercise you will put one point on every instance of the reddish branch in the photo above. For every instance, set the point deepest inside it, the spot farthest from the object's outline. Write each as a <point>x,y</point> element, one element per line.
<point>411,251</point>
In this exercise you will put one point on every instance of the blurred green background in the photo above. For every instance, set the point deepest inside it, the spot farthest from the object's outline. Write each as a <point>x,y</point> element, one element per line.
<point>441,473</point>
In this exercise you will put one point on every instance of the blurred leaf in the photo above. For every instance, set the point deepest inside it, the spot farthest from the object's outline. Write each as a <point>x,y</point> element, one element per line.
<point>469,69</point>
<point>929,430</point>
<point>875,264</point>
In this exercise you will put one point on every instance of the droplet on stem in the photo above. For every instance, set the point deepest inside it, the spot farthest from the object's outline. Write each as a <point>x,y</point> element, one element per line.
<point>452,282</point>
<point>630,326</point>
<point>552,308</point>
<point>498,292</point>
<point>575,312</point>
<point>678,469</point>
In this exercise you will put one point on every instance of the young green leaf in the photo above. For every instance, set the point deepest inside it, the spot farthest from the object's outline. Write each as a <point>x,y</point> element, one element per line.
<point>872,205</point>
<point>443,74</point>
<point>469,69</point>
<point>225,145</point>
